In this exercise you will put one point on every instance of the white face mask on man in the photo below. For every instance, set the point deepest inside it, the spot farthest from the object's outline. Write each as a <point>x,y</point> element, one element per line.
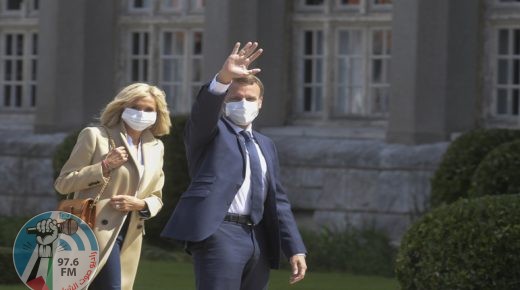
<point>138,120</point>
<point>241,113</point>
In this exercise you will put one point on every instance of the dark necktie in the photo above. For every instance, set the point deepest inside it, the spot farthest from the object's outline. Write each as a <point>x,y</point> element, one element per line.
<point>257,202</point>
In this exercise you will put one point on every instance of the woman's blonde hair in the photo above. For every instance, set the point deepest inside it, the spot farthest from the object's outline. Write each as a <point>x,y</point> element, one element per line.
<point>111,114</point>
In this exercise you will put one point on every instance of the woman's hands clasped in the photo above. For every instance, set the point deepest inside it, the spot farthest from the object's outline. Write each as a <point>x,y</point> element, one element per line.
<point>125,203</point>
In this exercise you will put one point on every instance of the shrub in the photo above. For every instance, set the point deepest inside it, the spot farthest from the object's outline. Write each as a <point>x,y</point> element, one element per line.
<point>176,180</point>
<point>62,153</point>
<point>175,172</point>
<point>499,172</point>
<point>7,271</point>
<point>10,228</point>
<point>452,179</point>
<point>470,244</point>
<point>365,251</point>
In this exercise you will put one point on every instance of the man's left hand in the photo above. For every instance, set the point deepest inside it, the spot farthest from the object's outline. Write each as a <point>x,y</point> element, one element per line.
<point>299,267</point>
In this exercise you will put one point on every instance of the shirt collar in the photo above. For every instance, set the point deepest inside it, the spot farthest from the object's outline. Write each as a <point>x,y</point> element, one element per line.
<point>131,142</point>
<point>239,129</point>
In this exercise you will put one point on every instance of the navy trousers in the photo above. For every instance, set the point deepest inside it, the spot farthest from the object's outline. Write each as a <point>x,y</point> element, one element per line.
<point>233,258</point>
<point>109,278</point>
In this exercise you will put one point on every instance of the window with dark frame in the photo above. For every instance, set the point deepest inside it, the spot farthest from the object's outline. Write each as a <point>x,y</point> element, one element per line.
<point>313,2</point>
<point>507,85</point>
<point>312,72</point>
<point>19,62</point>
<point>350,76</point>
<point>14,5</point>
<point>139,57</point>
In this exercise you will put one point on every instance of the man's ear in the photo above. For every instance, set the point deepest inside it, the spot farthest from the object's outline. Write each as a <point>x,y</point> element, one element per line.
<point>260,100</point>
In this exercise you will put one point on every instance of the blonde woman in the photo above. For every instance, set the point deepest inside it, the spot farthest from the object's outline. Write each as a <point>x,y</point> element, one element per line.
<point>136,116</point>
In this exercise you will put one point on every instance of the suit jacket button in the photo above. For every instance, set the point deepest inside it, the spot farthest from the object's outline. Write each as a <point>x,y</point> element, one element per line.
<point>104,222</point>
<point>139,226</point>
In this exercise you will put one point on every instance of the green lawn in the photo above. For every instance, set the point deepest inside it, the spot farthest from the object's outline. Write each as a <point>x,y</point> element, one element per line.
<point>162,275</point>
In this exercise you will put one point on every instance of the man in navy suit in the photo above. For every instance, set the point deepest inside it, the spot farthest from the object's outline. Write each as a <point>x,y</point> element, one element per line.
<point>235,216</point>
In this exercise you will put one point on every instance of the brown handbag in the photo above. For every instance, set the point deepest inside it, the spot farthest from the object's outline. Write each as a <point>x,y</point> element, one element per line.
<point>85,208</point>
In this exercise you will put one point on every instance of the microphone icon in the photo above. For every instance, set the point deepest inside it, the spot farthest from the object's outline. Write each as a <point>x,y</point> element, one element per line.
<point>68,227</point>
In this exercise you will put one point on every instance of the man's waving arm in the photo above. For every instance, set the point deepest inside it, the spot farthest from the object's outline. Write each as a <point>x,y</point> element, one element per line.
<point>208,105</point>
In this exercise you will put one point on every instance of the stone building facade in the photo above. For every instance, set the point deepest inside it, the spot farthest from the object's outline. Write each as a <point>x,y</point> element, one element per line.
<point>362,96</point>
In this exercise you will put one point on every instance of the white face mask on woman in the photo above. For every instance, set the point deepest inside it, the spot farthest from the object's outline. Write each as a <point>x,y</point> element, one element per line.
<point>241,113</point>
<point>138,120</point>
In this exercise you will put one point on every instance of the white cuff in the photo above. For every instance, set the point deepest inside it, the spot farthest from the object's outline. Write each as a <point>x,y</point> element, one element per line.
<point>218,88</point>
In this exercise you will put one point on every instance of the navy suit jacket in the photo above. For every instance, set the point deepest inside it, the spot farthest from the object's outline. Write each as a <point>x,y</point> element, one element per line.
<point>216,161</point>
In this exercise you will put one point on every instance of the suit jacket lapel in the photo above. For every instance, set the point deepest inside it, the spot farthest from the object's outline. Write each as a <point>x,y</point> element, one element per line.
<point>122,139</point>
<point>147,143</point>
<point>264,147</point>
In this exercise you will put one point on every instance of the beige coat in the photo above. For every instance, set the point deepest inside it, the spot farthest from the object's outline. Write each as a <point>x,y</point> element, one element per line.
<point>82,174</point>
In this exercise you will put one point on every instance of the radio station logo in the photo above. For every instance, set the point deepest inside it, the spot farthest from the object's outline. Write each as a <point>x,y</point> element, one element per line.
<point>56,250</point>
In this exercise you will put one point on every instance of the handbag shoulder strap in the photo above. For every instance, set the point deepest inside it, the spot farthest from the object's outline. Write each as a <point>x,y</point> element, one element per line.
<point>111,146</point>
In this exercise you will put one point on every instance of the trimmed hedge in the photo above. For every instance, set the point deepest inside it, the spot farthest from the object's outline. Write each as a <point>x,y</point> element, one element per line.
<point>176,181</point>
<point>175,171</point>
<point>8,232</point>
<point>9,229</point>
<point>452,179</point>
<point>7,271</point>
<point>499,172</point>
<point>62,153</point>
<point>470,244</point>
<point>356,251</point>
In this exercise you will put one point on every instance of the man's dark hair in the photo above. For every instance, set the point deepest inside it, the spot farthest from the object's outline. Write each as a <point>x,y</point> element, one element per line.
<point>251,80</point>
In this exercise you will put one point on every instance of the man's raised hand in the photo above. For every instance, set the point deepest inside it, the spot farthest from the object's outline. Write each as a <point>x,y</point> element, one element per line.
<point>237,63</point>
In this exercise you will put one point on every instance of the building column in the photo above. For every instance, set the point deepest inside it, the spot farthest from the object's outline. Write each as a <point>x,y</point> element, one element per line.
<point>265,21</point>
<point>435,65</point>
<point>77,61</point>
